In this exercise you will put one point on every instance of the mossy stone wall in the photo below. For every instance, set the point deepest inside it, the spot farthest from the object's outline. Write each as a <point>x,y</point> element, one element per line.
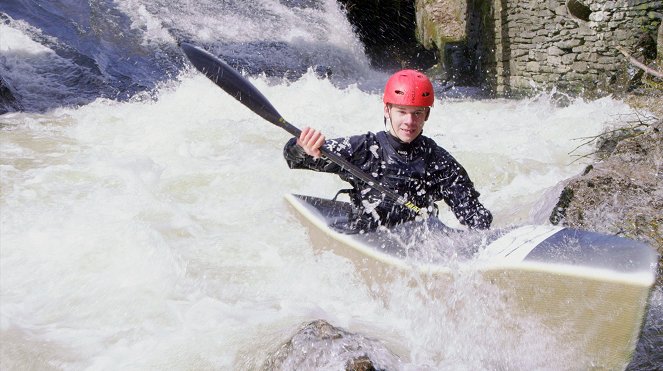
<point>568,44</point>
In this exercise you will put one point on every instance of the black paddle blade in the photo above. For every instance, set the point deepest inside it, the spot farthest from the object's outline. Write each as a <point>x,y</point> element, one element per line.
<point>234,84</point>
<point>228,79</point>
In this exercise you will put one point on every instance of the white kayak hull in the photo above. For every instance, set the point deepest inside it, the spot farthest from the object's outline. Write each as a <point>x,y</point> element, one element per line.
<point>591,288</point>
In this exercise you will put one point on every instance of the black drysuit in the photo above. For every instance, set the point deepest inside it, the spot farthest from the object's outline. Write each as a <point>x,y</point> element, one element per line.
<point>421,171</point>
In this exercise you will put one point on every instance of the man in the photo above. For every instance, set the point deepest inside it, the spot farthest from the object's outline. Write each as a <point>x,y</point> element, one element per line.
<point>400,158</point>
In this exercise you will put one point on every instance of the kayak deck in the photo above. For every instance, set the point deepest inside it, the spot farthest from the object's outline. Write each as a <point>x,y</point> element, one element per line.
<point>591,289</point>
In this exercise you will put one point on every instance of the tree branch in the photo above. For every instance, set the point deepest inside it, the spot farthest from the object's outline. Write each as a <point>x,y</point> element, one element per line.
<point>639,64</point>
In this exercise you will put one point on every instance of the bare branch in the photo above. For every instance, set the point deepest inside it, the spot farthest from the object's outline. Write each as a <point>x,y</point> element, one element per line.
<point>639,64</point>
<point>629,128</point>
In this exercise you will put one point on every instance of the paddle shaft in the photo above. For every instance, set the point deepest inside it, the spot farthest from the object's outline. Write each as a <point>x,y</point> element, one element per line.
<point>228,79</point>
<point>340,161</point>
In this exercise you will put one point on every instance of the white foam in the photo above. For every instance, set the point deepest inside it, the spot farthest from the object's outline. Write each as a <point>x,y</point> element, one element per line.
<point>153,233</point>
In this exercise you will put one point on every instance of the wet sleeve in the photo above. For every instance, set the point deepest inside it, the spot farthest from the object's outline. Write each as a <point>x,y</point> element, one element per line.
<point>457,191</point>
<point>297,158</point>
<point>469,210</point>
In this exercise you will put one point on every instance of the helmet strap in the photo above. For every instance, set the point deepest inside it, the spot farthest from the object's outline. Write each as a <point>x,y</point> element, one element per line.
<point>388,105</point>
<point>391,132</point>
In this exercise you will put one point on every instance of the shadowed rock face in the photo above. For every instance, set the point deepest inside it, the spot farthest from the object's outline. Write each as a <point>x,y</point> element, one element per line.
<point>8,102</point>
<point>319,345</point>
<point>440,22</point>
<point>388,31</point>
<point>623,193</point>
<point>439,36</point>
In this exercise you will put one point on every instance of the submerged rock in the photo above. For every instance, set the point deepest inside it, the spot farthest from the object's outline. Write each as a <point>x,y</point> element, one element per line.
<point>319,345</point>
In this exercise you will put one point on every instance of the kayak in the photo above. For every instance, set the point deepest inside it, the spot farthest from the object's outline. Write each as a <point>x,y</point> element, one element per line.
<point>592,288</point>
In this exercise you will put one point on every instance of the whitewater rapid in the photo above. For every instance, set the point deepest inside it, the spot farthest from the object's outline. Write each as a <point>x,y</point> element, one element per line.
<point>153,233</point>
<point>142,219</point>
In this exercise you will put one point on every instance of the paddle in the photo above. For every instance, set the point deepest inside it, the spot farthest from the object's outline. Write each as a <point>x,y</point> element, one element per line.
<point>241,89</point>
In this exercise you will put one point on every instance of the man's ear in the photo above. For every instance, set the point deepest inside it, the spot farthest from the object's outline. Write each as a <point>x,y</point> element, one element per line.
<point>427,113</point>
<point>386,111</point>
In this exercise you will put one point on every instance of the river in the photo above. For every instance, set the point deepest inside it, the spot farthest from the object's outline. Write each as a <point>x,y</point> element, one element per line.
<point>143,224</point>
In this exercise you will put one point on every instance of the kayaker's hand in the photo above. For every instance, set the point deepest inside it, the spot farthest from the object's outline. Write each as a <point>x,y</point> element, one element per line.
<point>311,140</point>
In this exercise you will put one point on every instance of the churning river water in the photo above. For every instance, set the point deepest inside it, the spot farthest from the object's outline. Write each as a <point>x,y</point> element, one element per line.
<point>143,224</point>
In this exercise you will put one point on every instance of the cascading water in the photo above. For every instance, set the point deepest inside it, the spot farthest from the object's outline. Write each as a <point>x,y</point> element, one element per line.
<point>142,216</point>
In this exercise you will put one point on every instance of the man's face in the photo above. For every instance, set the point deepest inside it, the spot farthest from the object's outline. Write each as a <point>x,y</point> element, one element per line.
<point>407,122</point>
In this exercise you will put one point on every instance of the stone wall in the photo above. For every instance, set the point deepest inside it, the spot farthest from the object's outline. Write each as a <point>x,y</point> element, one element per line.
<point>570,44</point>
<point>514,47</point>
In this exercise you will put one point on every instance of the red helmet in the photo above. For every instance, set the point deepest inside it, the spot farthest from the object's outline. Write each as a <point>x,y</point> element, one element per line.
<point>409,88</point>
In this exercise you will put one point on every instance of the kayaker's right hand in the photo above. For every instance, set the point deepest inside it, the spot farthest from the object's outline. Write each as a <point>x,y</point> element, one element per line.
<point>311,140</point>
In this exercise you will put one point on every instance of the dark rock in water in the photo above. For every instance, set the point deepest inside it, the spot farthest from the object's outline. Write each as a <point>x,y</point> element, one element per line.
<point>8,102</point>
<point>648,355</point>
<point>319,345</point>
<point>623,193</point>
<point>362,363</point>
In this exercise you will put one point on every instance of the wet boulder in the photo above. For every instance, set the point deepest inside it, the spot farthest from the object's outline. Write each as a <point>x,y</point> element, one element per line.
<point>319,345</point>
<point>8,102</point>
<point>621,194</point>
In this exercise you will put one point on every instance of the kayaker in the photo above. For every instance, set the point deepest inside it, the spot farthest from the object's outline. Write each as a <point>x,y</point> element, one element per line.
<point>400,158</point>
